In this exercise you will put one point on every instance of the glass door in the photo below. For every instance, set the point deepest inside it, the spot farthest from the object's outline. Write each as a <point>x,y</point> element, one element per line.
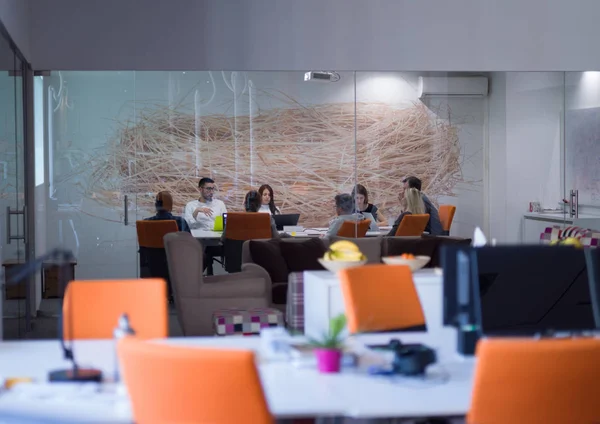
<point>15,311</point>
<point>90,205</point>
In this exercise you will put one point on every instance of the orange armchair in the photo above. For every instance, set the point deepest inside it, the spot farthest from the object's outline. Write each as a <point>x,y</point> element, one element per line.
<point>529,381</point>
<point>352,229</point>
<point>192,384</point>
<point>91,309</point>
<point>389,302</point>
<point>446,216</point>
<point>412,225</point>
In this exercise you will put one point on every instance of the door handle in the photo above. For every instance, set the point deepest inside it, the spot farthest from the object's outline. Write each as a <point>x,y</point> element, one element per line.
<point>9,213</point>
<point>125,211</point>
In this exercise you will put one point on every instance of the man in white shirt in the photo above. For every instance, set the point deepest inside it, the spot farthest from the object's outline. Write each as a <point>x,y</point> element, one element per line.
<point>201,213</point>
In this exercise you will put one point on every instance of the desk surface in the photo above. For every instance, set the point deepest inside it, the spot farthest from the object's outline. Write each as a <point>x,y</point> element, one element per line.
<point>309,232</point>
<point>290,390</point>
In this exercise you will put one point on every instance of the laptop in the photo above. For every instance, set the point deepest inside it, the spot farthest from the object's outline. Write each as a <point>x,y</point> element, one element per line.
<point>373,226</point>
<point>286,220</point>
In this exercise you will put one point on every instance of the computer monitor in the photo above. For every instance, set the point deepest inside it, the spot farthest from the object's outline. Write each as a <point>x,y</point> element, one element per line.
<point>287,220</point>
<point>592,257</point>
<point>449,263</point>
<point>526,290</point>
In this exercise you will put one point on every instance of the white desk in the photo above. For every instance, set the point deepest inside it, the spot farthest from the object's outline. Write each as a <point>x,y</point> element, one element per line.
<point>323,299</point>
<point>311,232</point>
<point>290,391</point>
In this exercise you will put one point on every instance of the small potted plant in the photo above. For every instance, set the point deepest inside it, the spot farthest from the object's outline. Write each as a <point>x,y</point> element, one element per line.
<point>328,350</point>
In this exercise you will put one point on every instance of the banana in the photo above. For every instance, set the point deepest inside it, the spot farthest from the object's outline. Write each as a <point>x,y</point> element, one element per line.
<point>345,251</point>
<point>344,245</point>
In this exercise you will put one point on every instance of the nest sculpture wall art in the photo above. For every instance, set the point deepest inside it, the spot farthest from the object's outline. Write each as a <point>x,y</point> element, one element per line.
<point>306,153</point>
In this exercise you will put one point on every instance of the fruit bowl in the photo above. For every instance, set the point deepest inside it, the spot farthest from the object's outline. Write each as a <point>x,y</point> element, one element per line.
<point>335,266</point>
<point>417,263</point>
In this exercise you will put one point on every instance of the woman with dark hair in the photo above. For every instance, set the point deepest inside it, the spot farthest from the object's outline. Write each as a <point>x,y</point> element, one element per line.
<point>361,197</point>
<point>267,200</point>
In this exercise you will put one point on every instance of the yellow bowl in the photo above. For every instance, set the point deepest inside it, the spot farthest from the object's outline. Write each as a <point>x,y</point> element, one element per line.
<point>417,263</point>
<point>335,266</point>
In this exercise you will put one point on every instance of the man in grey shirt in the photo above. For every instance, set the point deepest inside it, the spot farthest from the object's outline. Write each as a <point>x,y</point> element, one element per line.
<point>344,207</point>
<point>434,226</point>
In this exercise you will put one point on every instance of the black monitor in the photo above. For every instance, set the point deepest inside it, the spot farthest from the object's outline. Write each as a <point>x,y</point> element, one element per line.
<point>592,257</point>
<point>525,290</point>
<point>449,263</point>
<point>287,220</point>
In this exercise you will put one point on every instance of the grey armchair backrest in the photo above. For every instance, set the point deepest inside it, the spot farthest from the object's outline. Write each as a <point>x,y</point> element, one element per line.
<point>184,256</point>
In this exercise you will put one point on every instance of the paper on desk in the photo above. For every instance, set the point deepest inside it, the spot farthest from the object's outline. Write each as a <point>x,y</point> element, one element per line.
<point>479,238</point>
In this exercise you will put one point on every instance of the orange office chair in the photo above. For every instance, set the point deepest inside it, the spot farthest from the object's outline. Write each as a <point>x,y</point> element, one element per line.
<point>412,225</point>
<point>91,309</point>
<point>153,259</point>
<point>242,226</point>
<point>446,216</point>
<point>179,384</point>
<point>352,229</point>
<point>528,381</point>
<point>389,302</point>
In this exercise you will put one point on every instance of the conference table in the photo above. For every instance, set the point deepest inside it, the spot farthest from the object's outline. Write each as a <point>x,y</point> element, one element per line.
<point>292,389</point>
<point>307,233</point>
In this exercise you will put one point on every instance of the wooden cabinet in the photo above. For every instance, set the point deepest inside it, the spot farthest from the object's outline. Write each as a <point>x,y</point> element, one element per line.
<point>50,284</point>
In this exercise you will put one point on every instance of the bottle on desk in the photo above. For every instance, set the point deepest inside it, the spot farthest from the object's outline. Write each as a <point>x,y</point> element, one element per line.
<point>122,330</point>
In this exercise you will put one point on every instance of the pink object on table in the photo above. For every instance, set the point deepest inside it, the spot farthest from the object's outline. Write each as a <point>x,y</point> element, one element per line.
<point>328,360</point>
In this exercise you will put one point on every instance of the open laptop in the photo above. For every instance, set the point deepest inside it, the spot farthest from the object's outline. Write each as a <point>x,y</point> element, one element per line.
<point>373,226</point>
<point>286,220</point>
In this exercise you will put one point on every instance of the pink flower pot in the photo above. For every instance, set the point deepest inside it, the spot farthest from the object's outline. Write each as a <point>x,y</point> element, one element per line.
<point>328,360</point>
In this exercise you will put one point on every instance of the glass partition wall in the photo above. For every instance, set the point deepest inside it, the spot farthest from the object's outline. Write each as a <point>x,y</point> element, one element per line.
<point>504,148</point>
<point>14,306</point>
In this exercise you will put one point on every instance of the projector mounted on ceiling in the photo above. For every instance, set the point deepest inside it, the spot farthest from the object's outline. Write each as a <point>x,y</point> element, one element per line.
<point>321,76</point>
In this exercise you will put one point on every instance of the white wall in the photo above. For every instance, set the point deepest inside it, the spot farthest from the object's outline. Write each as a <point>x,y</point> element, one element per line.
<point>15,16</point>
<point>406,35</point>
<point>526,110</point>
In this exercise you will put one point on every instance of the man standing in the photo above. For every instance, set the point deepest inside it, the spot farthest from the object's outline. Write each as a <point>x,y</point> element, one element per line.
<point>434,226</point>
<point>201,213</point>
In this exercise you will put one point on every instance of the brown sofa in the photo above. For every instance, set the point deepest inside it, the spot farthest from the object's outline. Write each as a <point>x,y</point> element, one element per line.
<point>280,257</point>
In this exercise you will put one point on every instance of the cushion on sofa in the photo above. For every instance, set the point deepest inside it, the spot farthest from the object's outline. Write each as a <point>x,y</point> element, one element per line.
<point>369,246</point>
<point>267,254</point>
<point>302,256</point>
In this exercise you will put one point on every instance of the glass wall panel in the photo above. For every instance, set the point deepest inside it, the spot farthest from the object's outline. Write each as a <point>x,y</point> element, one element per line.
<point>403,130</point>
<point>86,210</point>
<point>12,211</point>
<point>526,187</point>
<point>582,146</point>
<point>116,137</point>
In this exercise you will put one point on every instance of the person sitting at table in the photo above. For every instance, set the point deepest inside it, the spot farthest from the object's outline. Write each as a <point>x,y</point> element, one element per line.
<point>361,197</point>
<point>164,206</point>
<point>434,226</point>
<point>412,203</point>
<point>267,200</point>
<point>344,208</point>
<point>201,213</point>
<point>252,203</point>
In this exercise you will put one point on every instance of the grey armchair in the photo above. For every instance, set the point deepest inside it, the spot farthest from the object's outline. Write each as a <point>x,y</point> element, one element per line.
<point>197,297</point>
